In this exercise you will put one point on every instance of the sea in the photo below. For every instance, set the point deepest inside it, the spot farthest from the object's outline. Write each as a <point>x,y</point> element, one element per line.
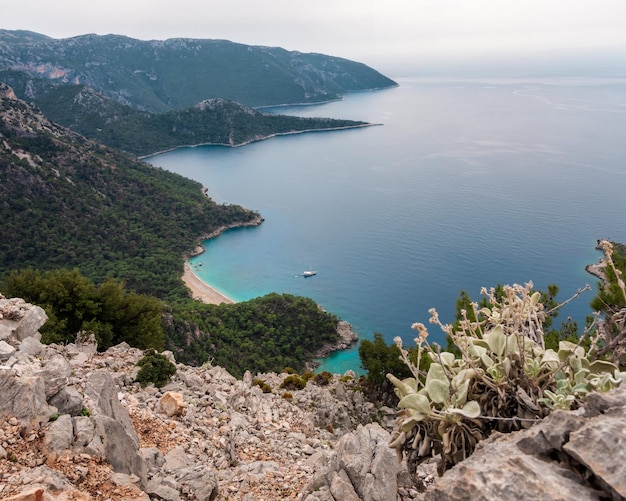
<point>462,183</point>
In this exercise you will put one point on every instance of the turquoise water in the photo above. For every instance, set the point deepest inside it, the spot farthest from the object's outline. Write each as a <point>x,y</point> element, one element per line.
<point>467,184</point>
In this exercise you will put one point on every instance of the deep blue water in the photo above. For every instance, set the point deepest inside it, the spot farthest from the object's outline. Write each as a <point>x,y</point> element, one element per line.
<point>467,184</point>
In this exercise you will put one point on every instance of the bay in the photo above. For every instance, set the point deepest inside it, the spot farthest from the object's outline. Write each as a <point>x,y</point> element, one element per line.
<point>467,183</point>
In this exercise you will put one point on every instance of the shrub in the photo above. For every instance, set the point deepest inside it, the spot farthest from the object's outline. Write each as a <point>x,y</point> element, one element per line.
<point>262,384</point>
<point>155,368</point>
<point>503,379</point>
<point>287,396</point>
<point>293,382</point>
<point>289,370</point>
<point>323,378</point>
<point>308,375</point>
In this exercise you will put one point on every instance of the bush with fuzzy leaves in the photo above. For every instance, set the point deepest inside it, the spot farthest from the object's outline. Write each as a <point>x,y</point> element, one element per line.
<point>503,380</point>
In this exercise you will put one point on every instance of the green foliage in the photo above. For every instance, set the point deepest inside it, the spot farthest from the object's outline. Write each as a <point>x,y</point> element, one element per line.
<point>293,382</point>
<point>73,303</point>
<point>265,334</point>
<point>610,301</point>
<point>143,133</point>
<point>504,379</point>
<point>155,368</point>
<point>85,206</point>
<point>465,310</point>
<point>323,378</point>
<point>287,395</point>
<point>263,385</point>
<point>180,73</point>
<point>379,359</point>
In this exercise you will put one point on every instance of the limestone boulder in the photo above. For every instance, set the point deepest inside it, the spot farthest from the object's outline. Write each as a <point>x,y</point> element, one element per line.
<point>6,351</point>
<point>172,403</point>
<point>67,400</point>
<point>102,392</point>
<point>363,466</point>
<point>59,435</point>
<point>119,450</point>
<point>20,319</point>
<point>24,397</point>
<point>569,455</point>
<point>32,346</point>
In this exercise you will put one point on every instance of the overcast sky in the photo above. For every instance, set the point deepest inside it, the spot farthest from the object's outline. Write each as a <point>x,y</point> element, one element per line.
<point>381,32</point>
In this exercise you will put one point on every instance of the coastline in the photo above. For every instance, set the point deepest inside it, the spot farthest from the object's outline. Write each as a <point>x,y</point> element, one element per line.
<point>256,139</point>
<point>201,290</point>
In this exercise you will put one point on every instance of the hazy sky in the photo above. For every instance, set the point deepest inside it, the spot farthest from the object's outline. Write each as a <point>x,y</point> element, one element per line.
<point>375,32</point>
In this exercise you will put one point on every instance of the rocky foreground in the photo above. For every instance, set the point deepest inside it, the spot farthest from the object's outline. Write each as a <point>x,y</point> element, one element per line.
<point>74,425</point>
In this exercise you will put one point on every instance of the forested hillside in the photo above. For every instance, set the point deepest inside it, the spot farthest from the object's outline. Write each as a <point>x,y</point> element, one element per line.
<point>179,73</point>
<point>70,202</point>
<point>98,238</point>
<point>213,121</point>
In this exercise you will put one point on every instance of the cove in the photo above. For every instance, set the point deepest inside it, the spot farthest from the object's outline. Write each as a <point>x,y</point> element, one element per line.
<point>468,183</point>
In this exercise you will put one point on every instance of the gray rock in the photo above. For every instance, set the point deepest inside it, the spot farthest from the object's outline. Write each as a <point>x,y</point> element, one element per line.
<point>371,465</point>
<point>323,494</point>
<point>51,480</point>
<point>59,435</point>
<point>198,482</point>
<point>25,320</point>
<point>599,446</point>
<point>24,397</point>
<point>55,373</point>
<point>6,351</point>
<point>552,460</point>
<point>363,460</point>
<point>156,487</point>
<point>119,450</point>
<point>177,459</point>
<point>341,488</point>
<point>32,346</point>
<point>153,457</point>
<point>68,401</point>
<point>100,388</point>
<point>84,430</point>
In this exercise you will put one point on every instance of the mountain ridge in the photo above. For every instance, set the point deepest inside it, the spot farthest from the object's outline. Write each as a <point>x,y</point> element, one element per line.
<point>160,75</point>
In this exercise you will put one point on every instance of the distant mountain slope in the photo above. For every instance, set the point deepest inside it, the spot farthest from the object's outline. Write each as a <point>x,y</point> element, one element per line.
<point>213,121</point>
<point>179,73</point>
<point>66,201</point>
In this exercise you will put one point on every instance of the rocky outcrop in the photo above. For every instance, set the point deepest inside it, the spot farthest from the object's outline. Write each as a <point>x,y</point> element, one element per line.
<point>20,319</point>
<point>363,466</point>
<point>346,338</point>
<point>74,424</point>
<point>568,455</point>
<point>78,422</point>
<point>6,92</point>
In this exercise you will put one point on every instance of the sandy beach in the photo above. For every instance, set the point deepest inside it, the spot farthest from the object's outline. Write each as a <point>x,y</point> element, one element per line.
<point>201,291</point>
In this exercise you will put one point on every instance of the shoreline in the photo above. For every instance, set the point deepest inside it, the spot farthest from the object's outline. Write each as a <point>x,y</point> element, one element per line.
<point>257,139</point>
<point>202,291</point>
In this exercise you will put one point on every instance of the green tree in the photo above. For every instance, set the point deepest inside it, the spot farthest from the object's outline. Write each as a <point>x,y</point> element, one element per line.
<point>73,303</point>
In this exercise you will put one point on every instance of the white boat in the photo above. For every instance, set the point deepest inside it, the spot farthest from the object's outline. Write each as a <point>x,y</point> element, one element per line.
<point>309,273</point>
